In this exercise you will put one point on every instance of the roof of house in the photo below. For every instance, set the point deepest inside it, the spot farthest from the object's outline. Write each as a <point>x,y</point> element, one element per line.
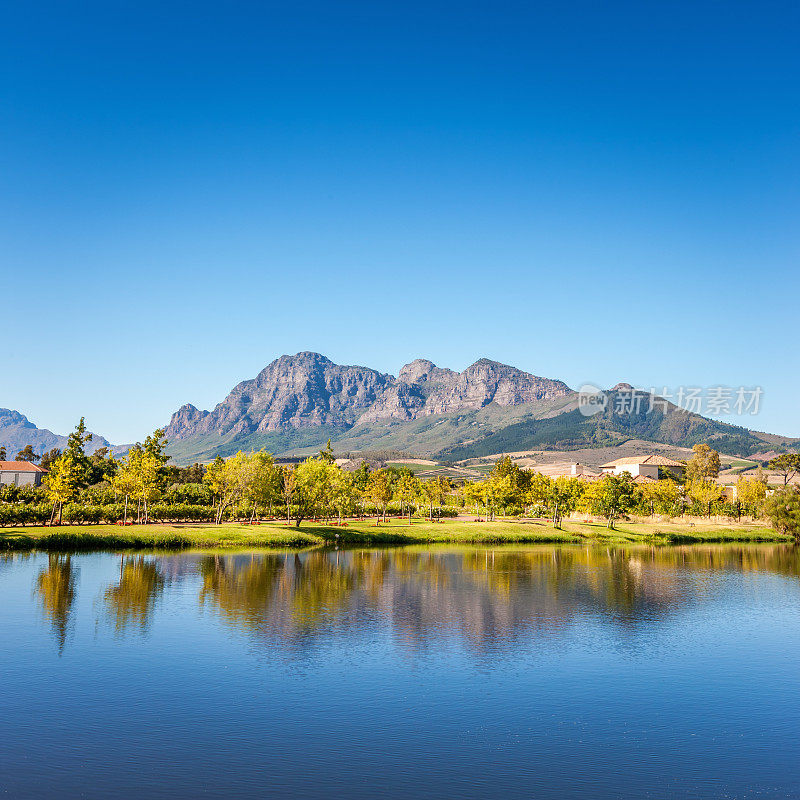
<point>20,466</point>
<point>658,461</point>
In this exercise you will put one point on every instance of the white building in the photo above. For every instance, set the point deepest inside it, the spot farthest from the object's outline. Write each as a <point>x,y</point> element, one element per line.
<point>646,466</point>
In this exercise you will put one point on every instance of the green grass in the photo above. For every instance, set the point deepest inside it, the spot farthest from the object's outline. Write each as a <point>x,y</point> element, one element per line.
<point>312,534</point>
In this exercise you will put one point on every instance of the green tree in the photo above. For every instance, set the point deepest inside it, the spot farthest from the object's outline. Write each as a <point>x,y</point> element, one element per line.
<point>704,464</point>
<point>62,483</point>
<point>326,454</point>
<point>361,476</point>
<point>704,493</point>
<point>47,458</point>
<point>379,489</point>
<point>288,488</point>
<point>2,453</point>
<point>230,480</point>
<point>265,487</point>
<point>27,454</point>
<point>611,496</point>
<point>313,493</point>
<point>783,510</point>
<point>124,482</point>
<point>407,491</point>
<point>344,494</point>
<point>564,496</point>
<point>539,490</point>
<point>787,465</point>
<point>435,490</point>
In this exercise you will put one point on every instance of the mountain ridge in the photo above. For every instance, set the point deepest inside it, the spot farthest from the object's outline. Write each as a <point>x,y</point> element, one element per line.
<point>297,402</point>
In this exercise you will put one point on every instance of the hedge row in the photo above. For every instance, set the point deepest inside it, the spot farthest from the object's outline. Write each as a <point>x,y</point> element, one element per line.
<point>29,514</point>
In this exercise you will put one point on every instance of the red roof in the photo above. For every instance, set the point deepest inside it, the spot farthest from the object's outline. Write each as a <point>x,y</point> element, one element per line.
<point>20,466</point>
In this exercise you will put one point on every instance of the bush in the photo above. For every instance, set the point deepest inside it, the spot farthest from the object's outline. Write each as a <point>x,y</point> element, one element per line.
<point>783,510</point>
<point>24,514</point>
<point>180,512</point>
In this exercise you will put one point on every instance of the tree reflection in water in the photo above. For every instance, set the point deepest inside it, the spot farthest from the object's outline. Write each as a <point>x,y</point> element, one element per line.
<point>131,601</point>
<point>487,598</point>
<point>56,587</point>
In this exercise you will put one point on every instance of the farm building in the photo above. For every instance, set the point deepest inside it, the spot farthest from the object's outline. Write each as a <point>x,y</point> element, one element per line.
<point>646,466</point>
<point>20,473</point>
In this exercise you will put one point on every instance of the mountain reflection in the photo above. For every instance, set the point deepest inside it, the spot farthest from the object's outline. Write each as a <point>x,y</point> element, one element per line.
<point>55,588</point>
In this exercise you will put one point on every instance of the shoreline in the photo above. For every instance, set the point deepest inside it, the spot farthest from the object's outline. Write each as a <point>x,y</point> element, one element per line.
<point>270,535</point>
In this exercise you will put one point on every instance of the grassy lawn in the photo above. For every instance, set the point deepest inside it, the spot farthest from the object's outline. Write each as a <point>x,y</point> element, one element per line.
<point>279,534</point>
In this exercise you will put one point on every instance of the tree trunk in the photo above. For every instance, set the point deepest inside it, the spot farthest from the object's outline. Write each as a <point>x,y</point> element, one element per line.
<point>125,513</point>
<point>60,510</point>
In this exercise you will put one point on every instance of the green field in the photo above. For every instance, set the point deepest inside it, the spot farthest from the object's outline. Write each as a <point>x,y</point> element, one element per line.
<point>279,534</point>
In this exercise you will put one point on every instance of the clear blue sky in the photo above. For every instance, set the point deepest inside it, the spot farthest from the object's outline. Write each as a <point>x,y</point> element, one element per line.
<point>589,191</point>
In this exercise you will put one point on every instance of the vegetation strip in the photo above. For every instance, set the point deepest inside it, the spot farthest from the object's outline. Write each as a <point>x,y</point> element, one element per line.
<point>395,532</point>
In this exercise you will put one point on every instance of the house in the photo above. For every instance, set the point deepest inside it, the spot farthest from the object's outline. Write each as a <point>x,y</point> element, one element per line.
<point>565,469</point>
<point>20,473</point>
<point>646,466</point>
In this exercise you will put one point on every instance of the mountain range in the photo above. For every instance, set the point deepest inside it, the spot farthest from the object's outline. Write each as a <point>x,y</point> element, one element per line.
<point>298,402</point>
<point>16,431</point>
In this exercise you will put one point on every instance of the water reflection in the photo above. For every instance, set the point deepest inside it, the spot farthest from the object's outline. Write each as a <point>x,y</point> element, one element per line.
<point>486,598</point>
<point>131,601</point>
<point>56,588</point>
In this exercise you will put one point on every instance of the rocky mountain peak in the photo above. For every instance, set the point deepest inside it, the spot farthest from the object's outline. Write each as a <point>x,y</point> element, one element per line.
<point>417,370</point>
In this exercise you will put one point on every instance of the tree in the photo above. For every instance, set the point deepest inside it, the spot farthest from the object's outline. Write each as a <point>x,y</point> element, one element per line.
<point>47,458</point>
<point>787,465</point>
<point>472,494</point>
<point>435,490</point>
<point>124,482</point>
<point>611,496</point>
<point>539,489</point>
<point>288,488</point>
<point>62,483</point>
<point>76,442</point>
<point>751,491</point>
<point>703,464</point>
<point>2,453</point>
<point>783,510</point>
<point>379,489</point>
<point>229,480</point>
<point>326,454</point>
<point>361,476</point>
<point>343,491</point>
<point>313,492</point>
<point>498,492</point>
<point>704,492</point>
<point>102,466</point>
<point>265,487</point>
<point>660,497</point>
<point>27,454</point>
<point>406,491</point>
<point>145,469</point>
<point>564,496</point>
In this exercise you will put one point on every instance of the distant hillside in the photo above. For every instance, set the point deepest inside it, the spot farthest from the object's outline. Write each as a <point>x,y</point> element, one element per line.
<point>17,431</point>
<point>572,430</point>
<point>298,402</point>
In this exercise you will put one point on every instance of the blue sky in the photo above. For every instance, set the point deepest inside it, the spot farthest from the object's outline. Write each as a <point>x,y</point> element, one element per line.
<point>589,191</point>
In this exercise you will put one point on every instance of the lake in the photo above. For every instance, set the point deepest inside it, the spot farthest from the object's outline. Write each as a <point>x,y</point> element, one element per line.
<point>515,672</point>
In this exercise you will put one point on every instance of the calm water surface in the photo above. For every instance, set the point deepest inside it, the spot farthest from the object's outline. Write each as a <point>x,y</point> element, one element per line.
<point>545,672</point>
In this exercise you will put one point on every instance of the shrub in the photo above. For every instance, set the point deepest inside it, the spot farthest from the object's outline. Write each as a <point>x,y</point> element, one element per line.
<point>783,510</point>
